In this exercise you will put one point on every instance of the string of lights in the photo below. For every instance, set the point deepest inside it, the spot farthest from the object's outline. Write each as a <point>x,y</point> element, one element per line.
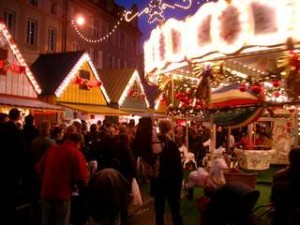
<point>155,10</point>
<point>98,40</point>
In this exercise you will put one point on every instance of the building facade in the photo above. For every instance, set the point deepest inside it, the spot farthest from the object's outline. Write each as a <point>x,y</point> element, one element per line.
<point>49,26</point>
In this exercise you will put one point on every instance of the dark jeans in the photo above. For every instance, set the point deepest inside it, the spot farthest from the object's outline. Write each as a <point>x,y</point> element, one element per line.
<point>55,212</point>
<point>170,191</point>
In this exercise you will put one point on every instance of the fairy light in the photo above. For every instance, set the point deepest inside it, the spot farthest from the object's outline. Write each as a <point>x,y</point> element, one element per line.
<point>19,57</point>
<point>155,10</point>
<point>101,39</point>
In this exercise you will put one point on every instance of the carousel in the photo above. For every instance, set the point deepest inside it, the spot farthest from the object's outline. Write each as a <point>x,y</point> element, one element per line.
<point>233,64</point>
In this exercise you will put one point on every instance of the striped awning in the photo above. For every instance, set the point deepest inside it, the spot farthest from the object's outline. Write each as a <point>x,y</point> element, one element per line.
<point>245,104</point>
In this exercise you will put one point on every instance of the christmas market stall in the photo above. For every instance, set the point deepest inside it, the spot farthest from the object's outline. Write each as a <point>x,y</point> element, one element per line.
<point>227,52</point>
<point>126,92</point>
<point>18,87</point>
<point>70,80</point>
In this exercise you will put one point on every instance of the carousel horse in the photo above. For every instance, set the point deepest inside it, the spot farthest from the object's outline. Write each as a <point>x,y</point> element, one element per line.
<point>187,156</point>
<point>208,180</point>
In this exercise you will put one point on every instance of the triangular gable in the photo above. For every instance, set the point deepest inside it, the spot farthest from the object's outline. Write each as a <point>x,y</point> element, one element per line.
<point>84,88</point>
<point>71,75</point>
<point>56,71</point>
<point>118,83</point>
<point>21,66</point>
<point>127,92</point>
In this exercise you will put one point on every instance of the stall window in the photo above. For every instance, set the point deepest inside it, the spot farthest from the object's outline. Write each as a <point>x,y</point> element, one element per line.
<point>84,74</point>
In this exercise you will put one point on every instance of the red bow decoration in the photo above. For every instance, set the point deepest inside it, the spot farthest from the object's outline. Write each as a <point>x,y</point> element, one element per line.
<point>87,83</point>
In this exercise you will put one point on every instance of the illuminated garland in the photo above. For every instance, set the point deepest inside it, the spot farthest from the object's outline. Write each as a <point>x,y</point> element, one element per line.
<point>99,40</point>
<point>155,10</point>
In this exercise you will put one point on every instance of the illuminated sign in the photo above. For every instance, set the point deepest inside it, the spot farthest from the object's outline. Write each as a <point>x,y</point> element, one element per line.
<point>222,28</point>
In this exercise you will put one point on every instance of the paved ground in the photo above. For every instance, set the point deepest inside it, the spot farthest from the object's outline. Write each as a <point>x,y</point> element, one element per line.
<point>142,215</point>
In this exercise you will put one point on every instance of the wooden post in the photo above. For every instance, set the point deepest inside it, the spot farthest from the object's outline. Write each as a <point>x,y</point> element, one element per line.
<point>187,134</point>
<point>212,146</point>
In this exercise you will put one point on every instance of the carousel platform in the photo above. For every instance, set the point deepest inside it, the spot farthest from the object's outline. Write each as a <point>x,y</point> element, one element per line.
<point>254,159</point>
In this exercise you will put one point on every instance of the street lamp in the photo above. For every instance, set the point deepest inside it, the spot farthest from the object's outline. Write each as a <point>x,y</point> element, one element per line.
<point>78,20</point>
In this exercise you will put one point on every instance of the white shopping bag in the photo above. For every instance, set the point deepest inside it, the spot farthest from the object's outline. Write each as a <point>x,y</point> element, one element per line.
<point>136,194</point>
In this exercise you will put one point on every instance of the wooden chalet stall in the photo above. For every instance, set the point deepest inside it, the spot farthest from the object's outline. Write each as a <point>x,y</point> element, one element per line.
<point>18,87</point>
<point>253,44</point>
<point>126,92</point>
<point>70,80</point>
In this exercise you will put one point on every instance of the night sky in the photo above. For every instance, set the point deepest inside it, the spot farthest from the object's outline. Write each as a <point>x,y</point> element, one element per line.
<point>145,27</point>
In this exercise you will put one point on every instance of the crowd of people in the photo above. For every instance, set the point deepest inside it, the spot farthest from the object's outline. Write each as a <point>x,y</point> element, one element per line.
<point>71,174</point>
<point>74,174</point>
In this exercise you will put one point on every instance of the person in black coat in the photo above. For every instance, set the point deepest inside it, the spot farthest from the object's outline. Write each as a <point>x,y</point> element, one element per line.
<point>12,168</point>
<point>167,185</point>
<point>285,193</point>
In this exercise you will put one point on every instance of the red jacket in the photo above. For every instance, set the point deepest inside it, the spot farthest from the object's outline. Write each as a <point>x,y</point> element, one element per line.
<point>60,168</point>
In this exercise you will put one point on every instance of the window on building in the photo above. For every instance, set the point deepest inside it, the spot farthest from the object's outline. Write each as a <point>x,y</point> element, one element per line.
<point>96,29</point>
<point>10,20</point>
<point>51,40</point>
<point>31,38</point>
<point>109,30</point>
<point>109,61</point>
<point>104,32</point>
<point>96,57</point>
<point>33,2</point>
<point>122,40</point>
<point>119,63</point>
<point>100,59</point>
<point>53,9</point>
<point>134,46</point>
<point>75,46</point>
<point>122,64</point>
